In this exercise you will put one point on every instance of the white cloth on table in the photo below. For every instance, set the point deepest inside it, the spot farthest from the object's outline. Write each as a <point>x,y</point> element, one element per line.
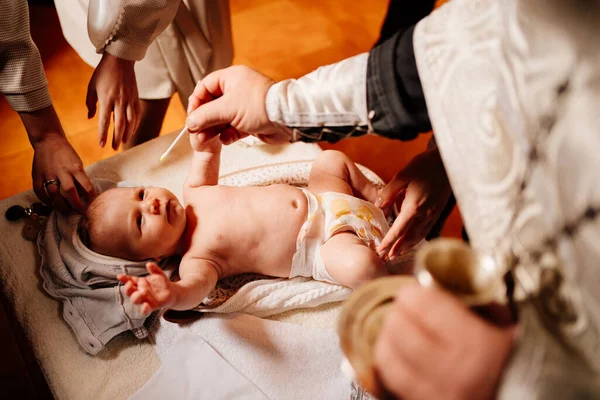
<point>269,359</point>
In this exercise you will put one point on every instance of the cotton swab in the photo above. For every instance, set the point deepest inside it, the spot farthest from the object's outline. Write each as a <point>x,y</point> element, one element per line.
<point>177,139</point>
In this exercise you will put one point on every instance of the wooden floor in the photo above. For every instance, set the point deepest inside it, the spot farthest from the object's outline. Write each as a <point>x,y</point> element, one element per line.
<point>281,38</point>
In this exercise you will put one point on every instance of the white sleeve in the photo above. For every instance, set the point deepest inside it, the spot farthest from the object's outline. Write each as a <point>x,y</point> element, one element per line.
<point>125,28</point>
<point>333,95</point>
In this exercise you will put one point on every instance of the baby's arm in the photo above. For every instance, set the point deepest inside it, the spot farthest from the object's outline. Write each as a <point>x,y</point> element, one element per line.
<point>205,163</point>
<point>197,278</point>
<point>156,291</point>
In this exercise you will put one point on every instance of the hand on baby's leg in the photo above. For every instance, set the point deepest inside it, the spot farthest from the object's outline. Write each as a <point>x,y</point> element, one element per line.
<point>152,292</point>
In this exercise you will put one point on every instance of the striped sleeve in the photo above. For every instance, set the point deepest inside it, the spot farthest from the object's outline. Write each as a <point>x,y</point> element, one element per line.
<point>22,78</point>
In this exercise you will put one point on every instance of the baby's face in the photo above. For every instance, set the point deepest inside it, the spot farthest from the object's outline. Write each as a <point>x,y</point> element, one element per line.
<point>139,223</point>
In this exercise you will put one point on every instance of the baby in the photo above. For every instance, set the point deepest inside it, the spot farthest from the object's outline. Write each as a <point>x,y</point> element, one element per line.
<point>327,232</point>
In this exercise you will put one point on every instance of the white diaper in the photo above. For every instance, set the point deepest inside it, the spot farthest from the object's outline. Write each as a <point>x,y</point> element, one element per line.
<point>341,213</point>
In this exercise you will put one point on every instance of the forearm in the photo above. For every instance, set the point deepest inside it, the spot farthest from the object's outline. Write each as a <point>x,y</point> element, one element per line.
<point>191,292</point>
<point>42,124</point>
<point>205,165</point>
<point>125,28</point>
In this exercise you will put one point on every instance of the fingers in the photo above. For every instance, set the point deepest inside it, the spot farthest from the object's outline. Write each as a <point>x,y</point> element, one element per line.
<point>394,373</point>
<point>146,309</point>
<point>145,298</point>
<point>130,288</point>
<point>138,296</point>
<point>143,293</point>
<point>193,102</point>
<point>86,185</point>
<point>130,283</point>
<point>415,339</point>
<point>38,188</point>
<point>133,112</point>
<point>199,96</point>
<point>386,198</point>
<point>68,187</point>
<point>208,115</point>
<point>205,91</point>
<point>131,123</point>
<point>405,365</point>
<point>408,211</point>
<point>137,109</point>
<point>229,135</point>
<point>460,324</point>
<point>210,133</point>
<point>442,348</point>
<point>146,288</point>
<point>226,134</point>
<point>417,229</point>
<point>389,209</point>
<point>56,198</point>
<point>127,278</point>
<point>66,196</point>
<point>91,98</point>
<point>400,363</point>
<point>208,88</point>
<point>147,292</point>
<point>153,268</point>
<point>390,191</point>
<point>441,307</point>
<point>103,122</point>
<point>119,129</point>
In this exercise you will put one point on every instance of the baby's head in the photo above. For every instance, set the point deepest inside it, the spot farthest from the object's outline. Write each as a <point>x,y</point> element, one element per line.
<point>135,223</point>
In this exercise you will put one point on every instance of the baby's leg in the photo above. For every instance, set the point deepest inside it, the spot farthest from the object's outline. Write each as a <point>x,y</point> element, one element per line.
<point>350,262</point>
<point>333,171</point>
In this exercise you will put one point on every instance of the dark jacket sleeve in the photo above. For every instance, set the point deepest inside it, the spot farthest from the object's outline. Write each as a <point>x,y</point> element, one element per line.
<point>394,90</point>
<point>394,93</point>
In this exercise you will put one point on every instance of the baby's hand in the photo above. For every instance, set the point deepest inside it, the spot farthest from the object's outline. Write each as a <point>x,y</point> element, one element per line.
<point>152,292</point>
<point>200,142</point>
